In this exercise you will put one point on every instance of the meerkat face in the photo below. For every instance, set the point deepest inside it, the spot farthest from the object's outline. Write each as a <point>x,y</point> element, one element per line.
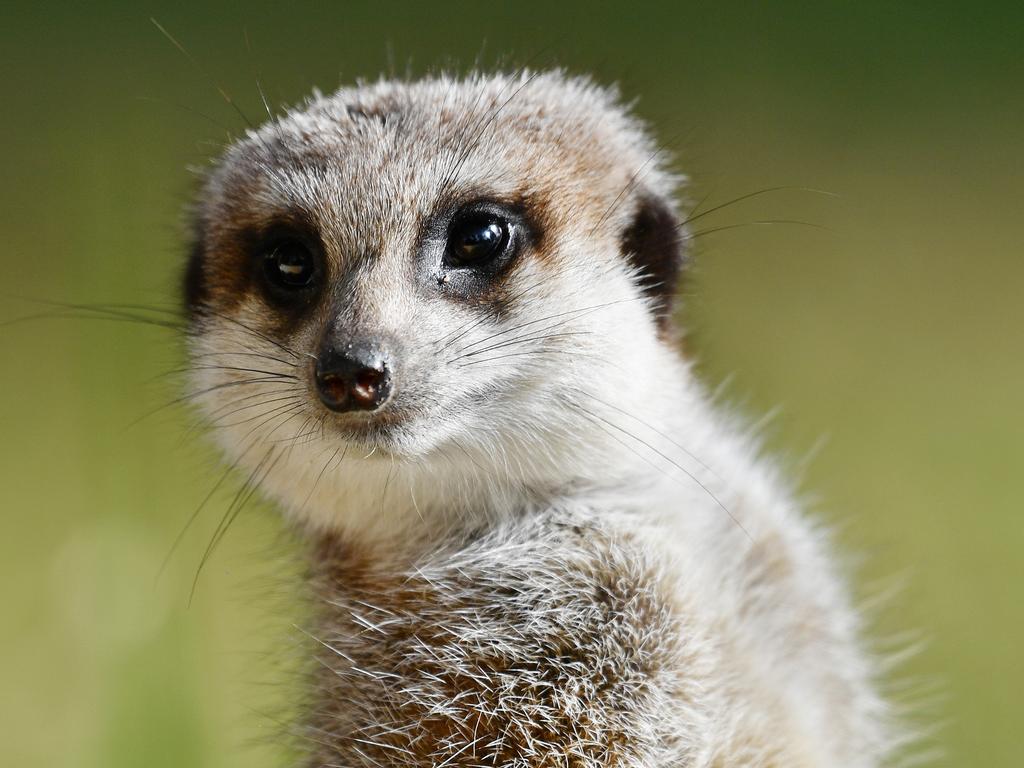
<point>443,278</point>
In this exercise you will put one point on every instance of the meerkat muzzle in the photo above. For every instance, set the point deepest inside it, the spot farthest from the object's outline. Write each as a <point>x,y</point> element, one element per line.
<point>356,379</point>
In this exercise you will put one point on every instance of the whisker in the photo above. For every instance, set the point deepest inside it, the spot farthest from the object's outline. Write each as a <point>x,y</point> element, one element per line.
<point>694,216</point>
<point>278,412</point>
<point>300,434</point>
<point>219,412</point>
<point>292,400</point>
<point>387,483</point>
<point>572,313</point>
<point>265,356</point>
<point>189,110</point>
<point>276,374</point>
<point>519,341</point>
<point>493,314</point>
<point>316,482</point>
<point>246,492</point>
<point>653,429</point>
<point>667,458</point>
<point>200,393</point>
<point>633,179</point>
<point>298,411</point>
<point>495,362</point>
<point>75,313</point>
<point>192,518</point>
<point>259,86</point>
<point>252,330</point>
<point>224,94</point>
<point>724,227</point>
<point>293,440</point>
<point>525,353</point>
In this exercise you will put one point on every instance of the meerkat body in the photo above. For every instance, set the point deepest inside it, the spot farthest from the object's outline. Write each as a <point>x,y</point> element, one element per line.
<point>432,320</point>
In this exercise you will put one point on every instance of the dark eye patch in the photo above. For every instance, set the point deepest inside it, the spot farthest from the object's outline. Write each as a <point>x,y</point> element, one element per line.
<point>471,242</point>
<point>286,264</point>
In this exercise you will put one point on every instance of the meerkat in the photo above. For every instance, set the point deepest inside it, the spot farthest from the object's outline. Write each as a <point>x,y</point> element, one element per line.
<point>432,320</point>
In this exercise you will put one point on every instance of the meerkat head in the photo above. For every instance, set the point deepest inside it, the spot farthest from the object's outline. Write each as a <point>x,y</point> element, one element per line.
<point>418,299</point>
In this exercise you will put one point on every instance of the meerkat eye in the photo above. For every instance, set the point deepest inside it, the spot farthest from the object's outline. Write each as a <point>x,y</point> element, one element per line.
<point>289,265</point>
<point>476,238</point>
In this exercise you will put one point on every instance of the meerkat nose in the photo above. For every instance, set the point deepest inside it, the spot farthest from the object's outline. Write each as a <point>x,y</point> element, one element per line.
<point>356,378</point>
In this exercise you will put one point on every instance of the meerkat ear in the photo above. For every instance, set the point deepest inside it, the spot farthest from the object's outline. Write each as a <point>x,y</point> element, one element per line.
<point>653,243</point>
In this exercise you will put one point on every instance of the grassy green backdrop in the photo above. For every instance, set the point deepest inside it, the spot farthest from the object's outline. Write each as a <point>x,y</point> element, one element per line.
<point>891,340</point>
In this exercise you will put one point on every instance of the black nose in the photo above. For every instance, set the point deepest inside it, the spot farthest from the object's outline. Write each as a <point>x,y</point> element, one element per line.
<point>353,378</point>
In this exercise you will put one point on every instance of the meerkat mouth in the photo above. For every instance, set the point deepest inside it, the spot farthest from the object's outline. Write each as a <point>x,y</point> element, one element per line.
<point>378,434</point>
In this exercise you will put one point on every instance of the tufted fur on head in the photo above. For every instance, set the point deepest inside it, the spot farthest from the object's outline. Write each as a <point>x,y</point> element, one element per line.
<point>541,545</point>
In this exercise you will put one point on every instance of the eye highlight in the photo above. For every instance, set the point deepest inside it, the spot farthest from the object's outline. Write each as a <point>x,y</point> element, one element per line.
<point>476,238</point>
<point>289,266</point>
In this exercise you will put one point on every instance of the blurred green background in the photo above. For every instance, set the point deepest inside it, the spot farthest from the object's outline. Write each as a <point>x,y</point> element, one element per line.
<point>890,339</point>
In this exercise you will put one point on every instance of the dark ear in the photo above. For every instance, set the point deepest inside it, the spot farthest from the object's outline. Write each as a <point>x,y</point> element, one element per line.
<point>653,243</point>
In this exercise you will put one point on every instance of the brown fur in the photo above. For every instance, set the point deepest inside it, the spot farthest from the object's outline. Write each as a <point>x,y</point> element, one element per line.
<point>445,661</point>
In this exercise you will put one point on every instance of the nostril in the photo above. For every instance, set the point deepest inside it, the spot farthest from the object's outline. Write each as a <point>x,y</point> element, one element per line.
<point>334,390</point>
<point>366,386</point>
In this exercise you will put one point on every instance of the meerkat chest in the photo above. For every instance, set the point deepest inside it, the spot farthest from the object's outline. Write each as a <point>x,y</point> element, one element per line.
<point>550,644</point>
